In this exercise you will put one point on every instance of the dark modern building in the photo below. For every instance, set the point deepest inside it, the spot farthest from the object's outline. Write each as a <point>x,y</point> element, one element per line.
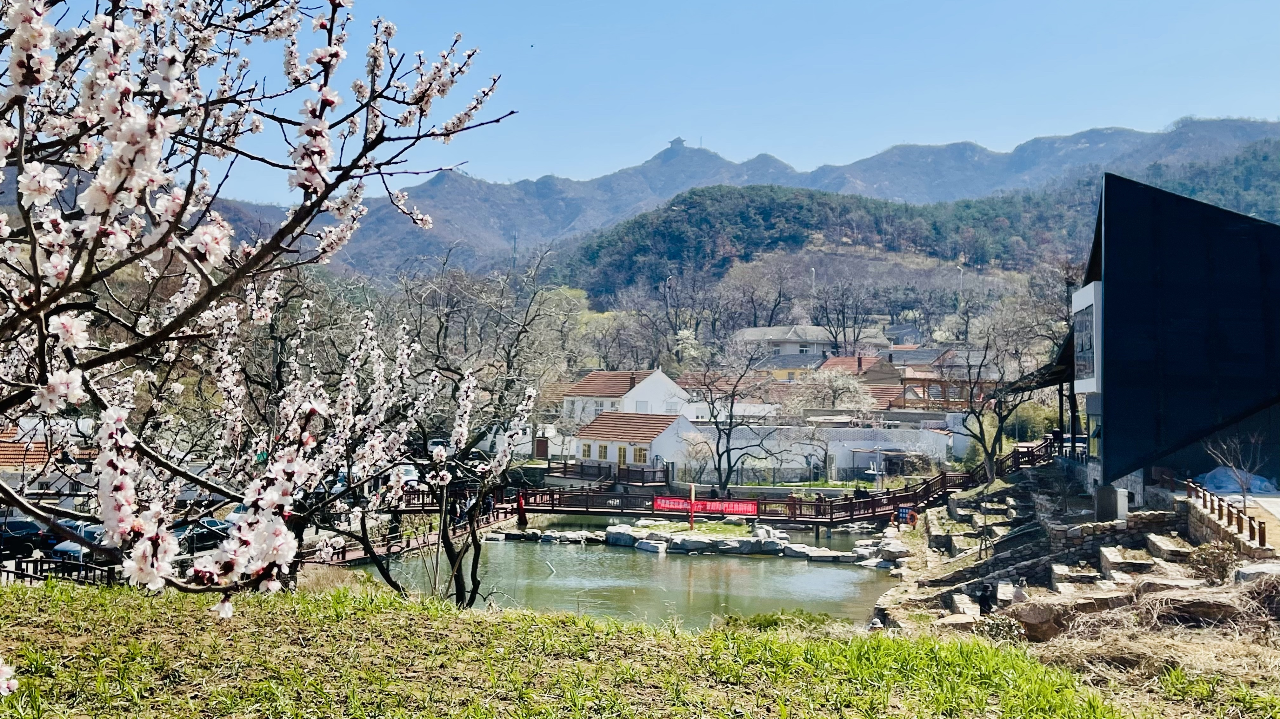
<point>1176,336</point>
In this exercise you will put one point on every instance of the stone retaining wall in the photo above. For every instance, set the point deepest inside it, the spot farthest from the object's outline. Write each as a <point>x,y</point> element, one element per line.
<point>1204,526</point>
<point>996,562</point>
<point>1129,532</point>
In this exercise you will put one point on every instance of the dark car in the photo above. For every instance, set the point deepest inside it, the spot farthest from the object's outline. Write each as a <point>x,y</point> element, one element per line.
<point>21,537</point>
<point>76,552</point>
<point>203,535</point>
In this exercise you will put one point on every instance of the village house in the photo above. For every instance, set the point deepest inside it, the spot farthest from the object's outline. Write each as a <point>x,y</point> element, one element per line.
<point>628,439</point>
<point>642,392</point>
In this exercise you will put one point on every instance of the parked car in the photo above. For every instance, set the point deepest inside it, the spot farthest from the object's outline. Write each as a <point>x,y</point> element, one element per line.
<point>203,535</point>
<point>234,515</point>
<point>76,552</point>
<point>20,536</point>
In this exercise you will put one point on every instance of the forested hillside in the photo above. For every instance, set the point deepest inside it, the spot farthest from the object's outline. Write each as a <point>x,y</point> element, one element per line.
<point>709,229</point>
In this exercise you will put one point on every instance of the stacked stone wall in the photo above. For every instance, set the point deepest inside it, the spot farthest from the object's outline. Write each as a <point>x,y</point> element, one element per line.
<point>1129,532</point>
<point>1204,526</point>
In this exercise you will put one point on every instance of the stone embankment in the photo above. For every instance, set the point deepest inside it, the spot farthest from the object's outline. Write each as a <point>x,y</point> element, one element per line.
<point>883,551</point>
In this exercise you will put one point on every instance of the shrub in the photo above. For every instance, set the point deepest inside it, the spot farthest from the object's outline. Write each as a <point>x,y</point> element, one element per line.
<point>1214,561</point>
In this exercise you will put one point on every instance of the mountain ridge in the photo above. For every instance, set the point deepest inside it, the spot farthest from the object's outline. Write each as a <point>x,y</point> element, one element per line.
<point>480,221</point>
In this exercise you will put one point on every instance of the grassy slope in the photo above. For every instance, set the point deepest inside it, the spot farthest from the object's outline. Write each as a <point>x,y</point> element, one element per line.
<point>83,652</point>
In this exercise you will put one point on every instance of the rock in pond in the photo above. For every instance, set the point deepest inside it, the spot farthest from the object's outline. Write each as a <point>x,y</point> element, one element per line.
<point>619,537</point>
<point>646,545</point>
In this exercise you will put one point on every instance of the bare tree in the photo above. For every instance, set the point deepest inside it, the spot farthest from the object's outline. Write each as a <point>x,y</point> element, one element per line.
<point>842,308</point>
<point>726,381</point>
<point>1244,455</point>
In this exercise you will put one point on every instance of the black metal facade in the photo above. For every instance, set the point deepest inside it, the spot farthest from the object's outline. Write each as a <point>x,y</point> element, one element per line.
<point>1190,315</point>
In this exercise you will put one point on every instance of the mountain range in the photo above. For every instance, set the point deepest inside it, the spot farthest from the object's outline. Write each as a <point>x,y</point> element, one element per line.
<point>480,221</point>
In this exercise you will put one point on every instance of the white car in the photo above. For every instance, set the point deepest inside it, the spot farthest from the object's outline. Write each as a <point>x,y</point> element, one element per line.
<point>234,516</point>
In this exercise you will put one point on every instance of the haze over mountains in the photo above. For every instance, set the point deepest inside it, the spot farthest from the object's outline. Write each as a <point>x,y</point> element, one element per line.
<point>482,220</point>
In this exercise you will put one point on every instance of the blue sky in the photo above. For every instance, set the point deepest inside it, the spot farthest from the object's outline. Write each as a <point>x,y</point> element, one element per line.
<point>603,85</point>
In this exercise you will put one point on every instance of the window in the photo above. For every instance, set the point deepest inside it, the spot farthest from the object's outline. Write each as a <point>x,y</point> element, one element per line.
<point>622,455</point>
<point>613,406</point>
<point>640,455</point>
<point>804,349</point>
<point>791,376</point>
<point>604,452</point>
<point>642,407</point>
<point>586,451</point>
<point>777,350</point>
<point>672,408</point>
<point>599,406</point>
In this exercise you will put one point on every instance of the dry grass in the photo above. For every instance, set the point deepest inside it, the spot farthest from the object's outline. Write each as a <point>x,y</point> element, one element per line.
<point>1155,660</point>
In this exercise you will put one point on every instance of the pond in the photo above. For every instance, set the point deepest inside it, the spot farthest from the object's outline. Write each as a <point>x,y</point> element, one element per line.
<point>689,589</point>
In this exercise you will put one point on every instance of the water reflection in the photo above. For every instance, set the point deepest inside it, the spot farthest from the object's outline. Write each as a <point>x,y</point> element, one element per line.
<point>629,584</point>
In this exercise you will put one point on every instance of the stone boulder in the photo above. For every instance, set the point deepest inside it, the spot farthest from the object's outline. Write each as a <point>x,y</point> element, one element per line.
<point>659,537</point>
<point>646,545</point>
<point>772,546</point>
<point>893,550</point>
<point>1200,607</point>
<point>691,544</point>
<point>596,538</point>
<point>1251,572</point>
<point>620,536</point>
<point>731,546</point>
<point>494,537</point>
<point>957,622</point>
<point>823,555</point>
<point>1042,620</point>
<point>735,521</point>
<point>799,551</point>
<point>649,522</point>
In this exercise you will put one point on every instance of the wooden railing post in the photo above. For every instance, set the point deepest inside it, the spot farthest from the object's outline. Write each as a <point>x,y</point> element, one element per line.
<point>1262,534</point>
<point>1253,529</point>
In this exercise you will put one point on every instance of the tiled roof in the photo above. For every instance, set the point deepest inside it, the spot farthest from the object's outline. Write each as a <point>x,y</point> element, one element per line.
<point>627,427</point>
<point>854,365</point>
<point>883,394</point>
<point>915,357</point>
<point>16,452</point>
<point>607,384</point>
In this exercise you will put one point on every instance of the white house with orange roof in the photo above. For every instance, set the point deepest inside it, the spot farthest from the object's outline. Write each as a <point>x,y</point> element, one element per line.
<point>628,439</point>
<point>640,392</point>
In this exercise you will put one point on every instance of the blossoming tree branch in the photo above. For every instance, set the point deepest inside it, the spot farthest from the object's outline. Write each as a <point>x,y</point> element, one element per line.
<point>125,293</point>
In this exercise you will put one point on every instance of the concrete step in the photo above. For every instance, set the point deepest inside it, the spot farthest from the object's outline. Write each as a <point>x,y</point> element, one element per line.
<point>1063,574</point>
<point>1170,549</point>
<point>1127,561</point>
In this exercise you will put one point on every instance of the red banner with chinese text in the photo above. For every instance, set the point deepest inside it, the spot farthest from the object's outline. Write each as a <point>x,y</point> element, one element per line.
<point>744,507</point>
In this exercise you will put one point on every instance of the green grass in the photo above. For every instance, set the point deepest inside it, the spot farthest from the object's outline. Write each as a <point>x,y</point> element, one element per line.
<point>105,653</point>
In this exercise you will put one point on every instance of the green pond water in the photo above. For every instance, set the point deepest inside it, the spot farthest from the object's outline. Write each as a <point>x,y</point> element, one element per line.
<point>629,584</point>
